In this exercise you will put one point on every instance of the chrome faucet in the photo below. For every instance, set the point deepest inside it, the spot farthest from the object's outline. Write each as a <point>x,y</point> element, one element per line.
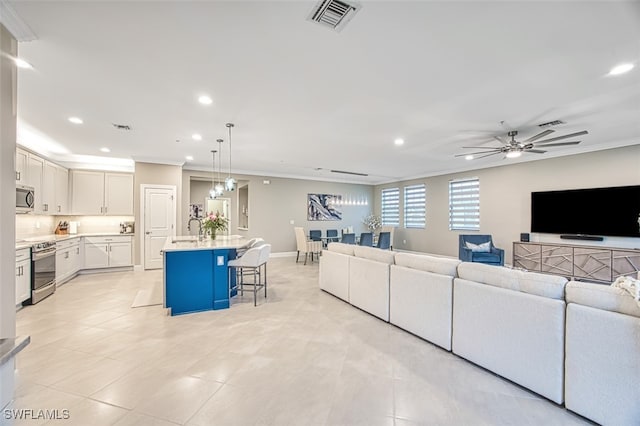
<point>199,226</point>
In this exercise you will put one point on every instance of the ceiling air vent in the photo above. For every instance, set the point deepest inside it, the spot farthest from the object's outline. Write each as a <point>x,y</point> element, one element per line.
<point>551,123</point>
<point>333,13</point>
<point>121,126</point>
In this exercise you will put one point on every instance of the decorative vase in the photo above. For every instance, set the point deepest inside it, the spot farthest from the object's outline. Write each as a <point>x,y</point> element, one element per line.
<point>213,234</point>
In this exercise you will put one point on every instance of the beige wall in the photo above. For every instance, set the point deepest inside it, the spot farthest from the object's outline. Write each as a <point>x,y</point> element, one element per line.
<point>8,106</point>
<point>505,198</point>
<point>154,174</point>
<point>273,206</point>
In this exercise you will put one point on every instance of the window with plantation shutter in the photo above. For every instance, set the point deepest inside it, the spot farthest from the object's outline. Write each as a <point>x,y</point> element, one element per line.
<point>464,204</point>
<point>391,206</point>
<point>414,206</point>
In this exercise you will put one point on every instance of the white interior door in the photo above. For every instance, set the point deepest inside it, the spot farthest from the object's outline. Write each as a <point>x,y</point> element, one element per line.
<point>159,223</point>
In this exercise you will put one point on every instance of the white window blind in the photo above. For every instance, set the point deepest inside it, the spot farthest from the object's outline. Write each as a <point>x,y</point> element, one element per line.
<point>391,206</point>
<point>414,206</point>
<point>464,204</point>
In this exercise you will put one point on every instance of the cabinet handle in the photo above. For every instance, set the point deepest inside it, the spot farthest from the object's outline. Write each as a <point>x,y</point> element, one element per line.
<point>66,255</point>
<point>18,271</point>
<point>17,175</point>
<point>45,207</point>
<point>59,209</point>
<point>101,209</point>
<point>105,210</point>
<point>78,250</point>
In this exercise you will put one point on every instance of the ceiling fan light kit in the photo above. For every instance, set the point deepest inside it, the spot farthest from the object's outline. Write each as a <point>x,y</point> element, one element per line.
<point>514,149</point>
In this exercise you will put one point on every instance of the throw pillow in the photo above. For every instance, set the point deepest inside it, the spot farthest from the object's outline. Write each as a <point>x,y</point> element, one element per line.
<point>630,285</point>
<point>479,248</point>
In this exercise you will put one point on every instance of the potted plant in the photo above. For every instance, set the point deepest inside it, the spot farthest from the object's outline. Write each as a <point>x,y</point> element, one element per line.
<point>372,222</point>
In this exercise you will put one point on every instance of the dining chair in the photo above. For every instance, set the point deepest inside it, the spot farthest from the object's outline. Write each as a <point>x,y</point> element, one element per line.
<point>315,235</point>
<point>305,246</point>
<point>366,239</point>
<point>384,240</point>
<point>348,239</point>
<point>332,236</point>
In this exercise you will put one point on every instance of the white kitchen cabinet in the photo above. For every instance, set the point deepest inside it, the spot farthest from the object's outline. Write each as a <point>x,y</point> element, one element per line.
<point>101,193</point>
<point>23,275</point>
<point>107,252</point>
<point>21,166</point>
<point>67,256</point>
<point>49,188</point>
<point>62,191</point>
<point>35,170</point>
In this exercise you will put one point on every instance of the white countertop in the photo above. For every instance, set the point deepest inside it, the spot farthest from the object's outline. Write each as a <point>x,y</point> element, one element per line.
<point>28,242</point>
<point>188,243</point>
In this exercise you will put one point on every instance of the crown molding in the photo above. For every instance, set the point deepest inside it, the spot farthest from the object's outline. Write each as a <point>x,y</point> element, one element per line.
<point>14,23</point>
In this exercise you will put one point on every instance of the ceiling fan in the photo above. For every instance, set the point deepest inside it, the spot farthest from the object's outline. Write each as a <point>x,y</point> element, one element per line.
<point>513,149</point>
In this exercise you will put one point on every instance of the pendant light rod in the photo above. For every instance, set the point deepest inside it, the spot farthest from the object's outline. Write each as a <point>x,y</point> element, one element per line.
<point>229,182</point>
<point>219,188</point>
<point>212,192</point>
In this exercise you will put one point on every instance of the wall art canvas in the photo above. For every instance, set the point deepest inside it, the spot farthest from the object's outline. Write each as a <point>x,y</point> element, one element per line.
<point>324,207</point>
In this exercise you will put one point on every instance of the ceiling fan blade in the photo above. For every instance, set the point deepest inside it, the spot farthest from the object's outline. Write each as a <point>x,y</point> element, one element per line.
<point>536,151</point>
<point>584,132</point>
<point>493,153</point>
<point>479,152</point>
<point>559,144</point>
<point>481,147</point>
<point>539,136</point>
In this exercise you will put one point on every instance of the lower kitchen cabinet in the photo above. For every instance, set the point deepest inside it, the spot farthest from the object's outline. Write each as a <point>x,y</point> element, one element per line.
<point>68,259</point>
<point>107,252</point>
<point>23,275</point>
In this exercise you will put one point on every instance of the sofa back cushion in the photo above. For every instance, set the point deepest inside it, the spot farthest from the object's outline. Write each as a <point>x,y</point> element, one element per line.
<point>341,248</point>
<point>437,265</point>
<point>603,297</point>
<point>375,254</point>
<point>551,286</point>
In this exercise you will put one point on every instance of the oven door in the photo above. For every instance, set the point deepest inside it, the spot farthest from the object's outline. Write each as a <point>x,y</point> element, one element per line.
<point>43,275</point>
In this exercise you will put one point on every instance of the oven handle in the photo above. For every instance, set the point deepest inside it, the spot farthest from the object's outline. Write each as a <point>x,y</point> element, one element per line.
<point>43,254</point>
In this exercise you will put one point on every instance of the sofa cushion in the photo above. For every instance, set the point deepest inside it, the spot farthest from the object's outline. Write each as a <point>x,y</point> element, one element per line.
<point>545,285</point>
<point>496,276</point>
<point>602,297</point>
<point>486,257</point>
<point>376,254</point>
<point>341,248</point>
<point>437,265</point>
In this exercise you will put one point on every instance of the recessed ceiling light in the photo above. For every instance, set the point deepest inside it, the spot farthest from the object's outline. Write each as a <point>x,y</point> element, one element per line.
<point>76,120</point>
<point>189,158</point>
<point>105,149</point>
<point>468,157</point>
<point>399,141</point>
<point>621,69</point>
<point>196,137</point>
<point>205,100</point>
<point>21,63</point>
<point>513,154</point>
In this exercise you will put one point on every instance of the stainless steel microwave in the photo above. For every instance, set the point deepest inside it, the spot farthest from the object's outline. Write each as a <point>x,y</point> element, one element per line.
<point>24,199</point>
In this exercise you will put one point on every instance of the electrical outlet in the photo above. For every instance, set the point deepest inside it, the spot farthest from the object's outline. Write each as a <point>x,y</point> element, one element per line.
<point>404,241</point>
<point>291,222</point>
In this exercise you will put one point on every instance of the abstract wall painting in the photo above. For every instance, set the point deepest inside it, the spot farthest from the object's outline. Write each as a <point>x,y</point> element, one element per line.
<point>324,207</point>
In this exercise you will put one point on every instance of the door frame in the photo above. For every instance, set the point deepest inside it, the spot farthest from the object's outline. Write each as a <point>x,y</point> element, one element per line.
<point>143,191</point>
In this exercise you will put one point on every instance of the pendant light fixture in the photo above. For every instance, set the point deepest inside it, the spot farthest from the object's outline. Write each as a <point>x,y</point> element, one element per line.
<point>212,191</point>
<point>229,182</point>
<point>219,188</point>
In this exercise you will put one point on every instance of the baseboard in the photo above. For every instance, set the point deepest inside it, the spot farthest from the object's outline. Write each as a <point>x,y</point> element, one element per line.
<point>103,270</point>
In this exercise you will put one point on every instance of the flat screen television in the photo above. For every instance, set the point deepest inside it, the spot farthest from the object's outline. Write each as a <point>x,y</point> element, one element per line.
<point>613,211</point>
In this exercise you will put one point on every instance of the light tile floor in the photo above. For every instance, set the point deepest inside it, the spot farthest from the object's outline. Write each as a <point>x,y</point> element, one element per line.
<point>303,357</point>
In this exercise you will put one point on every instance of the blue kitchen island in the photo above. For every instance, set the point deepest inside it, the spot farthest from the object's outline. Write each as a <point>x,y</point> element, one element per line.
<point>196,273</point>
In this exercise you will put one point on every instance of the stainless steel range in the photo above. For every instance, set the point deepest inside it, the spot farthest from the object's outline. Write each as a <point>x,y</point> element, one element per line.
<point>43,277</point>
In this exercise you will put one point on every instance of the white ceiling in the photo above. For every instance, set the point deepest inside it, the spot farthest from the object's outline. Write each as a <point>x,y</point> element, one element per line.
<point>441,75</point>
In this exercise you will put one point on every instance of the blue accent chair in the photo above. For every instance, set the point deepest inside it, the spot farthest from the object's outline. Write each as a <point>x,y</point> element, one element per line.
<point>384,240</point>
<point>366,239</point>
<point>348,238</point>
<point>332,236</point>
<point>315,235</point>
<point>495,256</point>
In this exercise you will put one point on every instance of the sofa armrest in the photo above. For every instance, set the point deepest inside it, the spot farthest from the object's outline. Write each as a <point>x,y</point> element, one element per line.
<point>499,252</point>
<point>465,254</point>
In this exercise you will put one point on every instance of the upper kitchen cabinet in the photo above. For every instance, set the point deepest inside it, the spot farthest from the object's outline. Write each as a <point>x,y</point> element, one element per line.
<point>62,191</point>
<point>101,193</point>
<point>21,166</point>
<point>35,170</point>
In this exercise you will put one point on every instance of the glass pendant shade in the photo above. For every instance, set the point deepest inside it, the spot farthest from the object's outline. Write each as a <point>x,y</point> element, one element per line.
<point>218,189</point>
<point>230,183</point>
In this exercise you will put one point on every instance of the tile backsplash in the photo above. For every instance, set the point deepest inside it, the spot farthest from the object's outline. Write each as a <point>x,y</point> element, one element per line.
<point>29,226</point>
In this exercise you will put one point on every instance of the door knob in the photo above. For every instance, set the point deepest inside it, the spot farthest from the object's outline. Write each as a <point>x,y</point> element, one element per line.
<point>148,232</point>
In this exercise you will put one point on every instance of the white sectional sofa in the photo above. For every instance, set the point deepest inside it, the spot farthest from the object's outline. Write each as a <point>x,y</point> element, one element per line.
<point>512,323</point>
<point>602,375</point>
<point>421,296</point>
<point>334,269</point>
<point>576,343</point>
<point>369,271</point>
